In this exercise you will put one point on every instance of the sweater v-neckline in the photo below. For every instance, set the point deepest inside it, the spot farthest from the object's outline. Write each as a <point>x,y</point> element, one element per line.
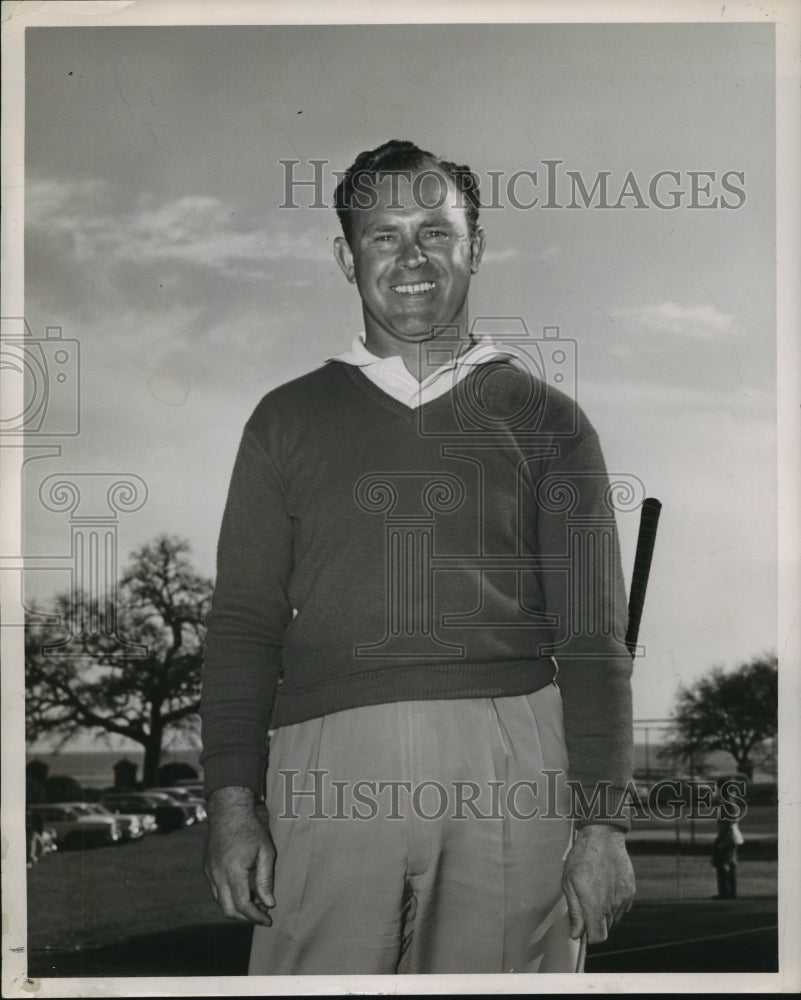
<point>409,413</point>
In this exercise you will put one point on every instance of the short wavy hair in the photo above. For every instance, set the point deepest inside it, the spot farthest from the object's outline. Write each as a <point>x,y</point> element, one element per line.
<point>401,155</point>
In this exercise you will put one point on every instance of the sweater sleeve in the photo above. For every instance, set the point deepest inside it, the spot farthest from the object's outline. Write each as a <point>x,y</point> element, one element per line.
<point>589,601</point>
<point>249,614</point>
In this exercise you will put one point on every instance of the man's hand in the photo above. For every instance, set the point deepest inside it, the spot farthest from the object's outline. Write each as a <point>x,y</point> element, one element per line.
<point>240,857</point>
<point>598,881</point>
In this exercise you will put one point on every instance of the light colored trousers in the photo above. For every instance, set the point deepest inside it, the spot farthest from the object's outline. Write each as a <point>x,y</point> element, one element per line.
<point>443,868</point>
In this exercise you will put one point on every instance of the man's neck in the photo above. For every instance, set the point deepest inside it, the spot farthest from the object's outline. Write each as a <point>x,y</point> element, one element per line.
<point>420,359</point>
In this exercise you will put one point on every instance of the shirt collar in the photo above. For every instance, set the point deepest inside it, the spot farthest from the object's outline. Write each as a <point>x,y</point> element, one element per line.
<point>358,354</point>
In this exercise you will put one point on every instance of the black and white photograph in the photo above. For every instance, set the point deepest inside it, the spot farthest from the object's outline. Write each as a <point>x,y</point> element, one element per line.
<point>400,485</point>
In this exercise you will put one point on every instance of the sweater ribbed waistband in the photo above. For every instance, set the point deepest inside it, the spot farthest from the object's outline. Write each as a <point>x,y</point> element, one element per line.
<point>412,682</point>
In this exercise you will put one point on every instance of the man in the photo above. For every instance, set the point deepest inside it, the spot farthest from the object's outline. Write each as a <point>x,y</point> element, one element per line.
<point>394,579</point>
<point>724,857</point>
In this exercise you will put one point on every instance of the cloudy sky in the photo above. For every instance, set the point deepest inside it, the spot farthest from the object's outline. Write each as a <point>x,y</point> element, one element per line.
<point>155,237</point>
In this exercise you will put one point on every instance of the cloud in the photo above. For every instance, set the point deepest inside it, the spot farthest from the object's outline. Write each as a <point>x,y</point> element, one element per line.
<point>705,321</point>
<point>200,230</point>
<point>57,203</point>
<point>196,230</point>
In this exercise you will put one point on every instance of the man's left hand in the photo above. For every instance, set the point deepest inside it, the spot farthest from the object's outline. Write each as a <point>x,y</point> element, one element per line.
<point>598,881</point>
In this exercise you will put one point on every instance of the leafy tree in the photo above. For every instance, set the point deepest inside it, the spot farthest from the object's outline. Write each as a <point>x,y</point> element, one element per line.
<point>735,711</point>
<point>131,667</point>
<point>766,756</point>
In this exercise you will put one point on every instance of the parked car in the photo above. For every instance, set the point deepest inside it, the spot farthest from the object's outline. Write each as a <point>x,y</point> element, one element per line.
<point>194,785</point>
<point>184,797</point>
<point>168,815</point>
<point>132,825</point>
<point>190,812</point>
<point>642,790</point>
<point>75,830</point>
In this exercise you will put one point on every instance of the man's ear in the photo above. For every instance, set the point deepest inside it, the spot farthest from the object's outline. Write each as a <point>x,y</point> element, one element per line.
<point>344,256</point>
<point>477,244</point>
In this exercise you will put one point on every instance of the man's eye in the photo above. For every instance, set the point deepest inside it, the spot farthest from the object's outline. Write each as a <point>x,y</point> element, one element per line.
<point>384,237</point>
<point>436,234</point>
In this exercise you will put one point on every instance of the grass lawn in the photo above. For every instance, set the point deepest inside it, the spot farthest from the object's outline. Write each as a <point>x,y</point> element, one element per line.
<point>692,877</point>
<point>144,908</point>
<point>83,899</point>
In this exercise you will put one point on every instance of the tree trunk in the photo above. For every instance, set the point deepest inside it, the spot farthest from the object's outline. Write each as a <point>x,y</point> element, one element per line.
<point>746,767</point>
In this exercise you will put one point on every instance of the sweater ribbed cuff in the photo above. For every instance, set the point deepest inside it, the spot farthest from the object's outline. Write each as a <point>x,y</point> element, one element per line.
<point>245,770</point>
<point>600,804</point>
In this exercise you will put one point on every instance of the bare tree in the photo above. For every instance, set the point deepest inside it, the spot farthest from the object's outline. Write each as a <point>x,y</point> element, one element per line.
<point>132,668</point>
<point>735,711</point>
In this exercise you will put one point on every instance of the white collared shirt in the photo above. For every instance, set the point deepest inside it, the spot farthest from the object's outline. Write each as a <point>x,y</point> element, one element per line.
<point>394,378</point>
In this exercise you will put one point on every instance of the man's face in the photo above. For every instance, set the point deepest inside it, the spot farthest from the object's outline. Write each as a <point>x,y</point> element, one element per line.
<point>411,263</point>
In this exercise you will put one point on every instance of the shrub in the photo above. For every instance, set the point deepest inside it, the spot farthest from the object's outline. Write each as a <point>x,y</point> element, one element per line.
<point>62,788</point>
<point>34,792</point>
<point>175,771</point>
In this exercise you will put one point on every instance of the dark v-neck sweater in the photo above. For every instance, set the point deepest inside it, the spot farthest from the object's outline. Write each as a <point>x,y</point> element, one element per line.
<point>372,553</point>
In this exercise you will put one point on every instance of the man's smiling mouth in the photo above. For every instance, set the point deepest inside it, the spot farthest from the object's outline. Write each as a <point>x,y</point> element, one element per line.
<point>418,289</point>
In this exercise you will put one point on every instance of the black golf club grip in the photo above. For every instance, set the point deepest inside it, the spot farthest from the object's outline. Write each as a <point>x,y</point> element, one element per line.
<point>649,520</point>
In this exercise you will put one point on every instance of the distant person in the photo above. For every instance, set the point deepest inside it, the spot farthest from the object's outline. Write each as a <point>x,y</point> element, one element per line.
<point>724,857</point>
<point>34,828</point>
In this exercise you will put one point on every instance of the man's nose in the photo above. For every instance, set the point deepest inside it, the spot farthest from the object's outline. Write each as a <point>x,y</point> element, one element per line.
<point>411,253</point>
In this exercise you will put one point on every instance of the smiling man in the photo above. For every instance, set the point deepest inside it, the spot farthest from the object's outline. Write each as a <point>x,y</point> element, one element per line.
<point>410,251</point>
<point>392,588</point>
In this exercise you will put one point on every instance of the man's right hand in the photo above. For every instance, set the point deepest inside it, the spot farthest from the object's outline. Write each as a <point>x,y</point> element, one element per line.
<point>240,857</point>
